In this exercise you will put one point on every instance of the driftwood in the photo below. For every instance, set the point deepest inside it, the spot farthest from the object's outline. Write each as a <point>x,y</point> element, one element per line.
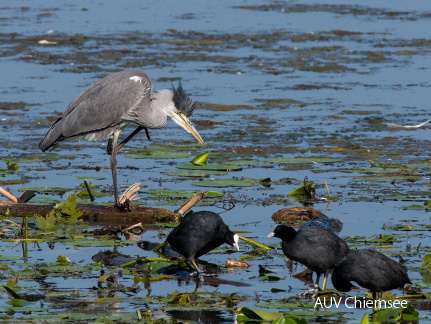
<point>190,203</point>
<point>102,215</point>
<point>105,215</point>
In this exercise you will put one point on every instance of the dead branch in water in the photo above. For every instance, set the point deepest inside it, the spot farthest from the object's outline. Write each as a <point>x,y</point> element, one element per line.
<point>108,215</point>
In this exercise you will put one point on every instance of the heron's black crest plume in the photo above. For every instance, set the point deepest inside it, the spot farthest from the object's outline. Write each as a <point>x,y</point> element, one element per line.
<point>182,101</point>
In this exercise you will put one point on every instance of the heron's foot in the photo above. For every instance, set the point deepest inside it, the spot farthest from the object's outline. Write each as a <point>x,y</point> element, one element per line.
<point>125,200</point>
<point>123,206</point>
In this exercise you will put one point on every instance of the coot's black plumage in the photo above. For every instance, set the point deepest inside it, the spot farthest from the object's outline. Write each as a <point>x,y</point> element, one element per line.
<point>330,224</point>
<point>369,269</point>
<point>199,233</point>
<point>318,249</point>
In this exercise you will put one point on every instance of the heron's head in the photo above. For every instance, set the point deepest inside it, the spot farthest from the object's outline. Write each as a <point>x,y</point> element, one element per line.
<point>184,107</point>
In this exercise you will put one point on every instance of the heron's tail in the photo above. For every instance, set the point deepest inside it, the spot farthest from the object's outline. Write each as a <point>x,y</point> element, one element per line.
<point>52,137</point>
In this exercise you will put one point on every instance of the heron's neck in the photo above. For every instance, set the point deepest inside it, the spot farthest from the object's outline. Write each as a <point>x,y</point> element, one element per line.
<point>161,104</point>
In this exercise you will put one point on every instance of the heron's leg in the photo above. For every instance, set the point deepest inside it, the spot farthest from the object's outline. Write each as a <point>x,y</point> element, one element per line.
<point>109,147</point>
<point>128,138</point>
<point>114,165</point>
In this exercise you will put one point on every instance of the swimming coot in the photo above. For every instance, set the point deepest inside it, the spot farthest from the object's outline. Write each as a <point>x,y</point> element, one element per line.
<point>318,249</point>
<point>369,269</point>
<point>199,233</point>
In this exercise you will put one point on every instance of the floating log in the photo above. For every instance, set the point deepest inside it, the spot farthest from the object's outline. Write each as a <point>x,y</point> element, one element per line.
<point>96,214</point>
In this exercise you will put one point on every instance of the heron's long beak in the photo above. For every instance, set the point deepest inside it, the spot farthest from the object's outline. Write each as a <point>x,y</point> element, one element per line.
<point>181,119</point>
<point>270,235</point>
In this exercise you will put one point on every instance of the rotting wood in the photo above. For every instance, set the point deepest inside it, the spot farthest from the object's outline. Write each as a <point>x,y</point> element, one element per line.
<point>96,214</point>
<point>26,196</point>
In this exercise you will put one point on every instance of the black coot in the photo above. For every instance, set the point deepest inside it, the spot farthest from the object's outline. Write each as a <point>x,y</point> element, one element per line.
<point>369,269</point>
<point>199,233</point>
<point>318,249</point>
<point>330,224</point>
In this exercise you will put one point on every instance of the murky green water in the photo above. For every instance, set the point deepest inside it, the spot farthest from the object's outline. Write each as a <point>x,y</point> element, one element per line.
<point>287,91</point>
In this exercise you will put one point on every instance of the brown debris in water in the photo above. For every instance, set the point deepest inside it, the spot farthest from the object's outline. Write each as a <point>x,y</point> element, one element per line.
<point>291,215</point>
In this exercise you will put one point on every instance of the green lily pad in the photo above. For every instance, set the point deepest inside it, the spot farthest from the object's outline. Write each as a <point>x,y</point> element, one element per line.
<point>96,193</point>
<point>254,314</point>
<point>40,158</point>
<point>303,160</point>
<point>9,258</point>
<point>384,178</point>
<point>89,242</point>
<point>284,304</point>
<point>45,200</point>
<point>222,183</point>
<point>178,194</point>
<point>11,182</point>
<point>247,162</point>
<point>158,155</point>
<point>213,167</point>
<point>46,189</point>
<point>409,227</point>
<point>88,178</point>
<point>22,309</point>
<point>403,198</point>
<point>380,170</point>
<point>193,173</point>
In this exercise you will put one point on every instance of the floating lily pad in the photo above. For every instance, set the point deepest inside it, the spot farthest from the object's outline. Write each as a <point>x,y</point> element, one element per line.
<point>45,200</point>
<point>89,178</point>
<point>22,309</point>
<point>303,160</point>
<point>193,173</point>
<point>222,183</point>
<point>409,227</point>
<point>384,178</point>
<point>96,193</point>
<point>179,194</point>
<point>284,304</point>
<point>46,189</point>
<point>39,158</point>
<point>379,170</point>
<point>158,155</point>
<point>246,162</point>
<point>9,258</point>
<point>90,242</point>
<point>403,198</point>
<point>253,314</point>
<point>213,167</point>
<point>11,182</point>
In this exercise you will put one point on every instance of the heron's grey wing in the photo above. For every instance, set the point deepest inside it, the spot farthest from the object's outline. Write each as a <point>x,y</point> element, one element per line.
<point>104,103</point>
<point>101,106</point>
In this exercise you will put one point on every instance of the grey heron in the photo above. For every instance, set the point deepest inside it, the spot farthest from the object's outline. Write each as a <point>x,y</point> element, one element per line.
<point>107,106</point>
